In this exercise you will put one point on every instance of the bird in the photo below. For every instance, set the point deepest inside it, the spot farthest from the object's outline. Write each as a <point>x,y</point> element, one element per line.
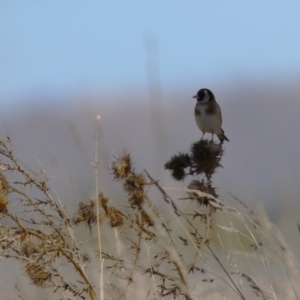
<point>208,115</point>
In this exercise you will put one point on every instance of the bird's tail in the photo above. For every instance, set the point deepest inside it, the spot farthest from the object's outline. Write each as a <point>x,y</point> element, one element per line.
<point>222,137</point>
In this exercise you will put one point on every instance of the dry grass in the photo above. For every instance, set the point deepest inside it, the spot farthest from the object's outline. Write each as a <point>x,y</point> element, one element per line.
<point>198,247</point>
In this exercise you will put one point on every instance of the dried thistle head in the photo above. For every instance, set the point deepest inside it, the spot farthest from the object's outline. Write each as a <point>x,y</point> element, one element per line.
<point>204,187</point>
<point>136,198</point>
<point>122,166</point>
<point>177,164</point>
<point>206,157</point>
<point>38,274</point>
<point>85,214</point>
<point>134,182</point>
<point>3,203</point>
<point>28,249</point>
<point>4,191</point>
<point>116,218</point>
<point>114,215</point>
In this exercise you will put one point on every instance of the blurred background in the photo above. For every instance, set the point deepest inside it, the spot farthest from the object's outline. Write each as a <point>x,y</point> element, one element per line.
<point>138,64</point>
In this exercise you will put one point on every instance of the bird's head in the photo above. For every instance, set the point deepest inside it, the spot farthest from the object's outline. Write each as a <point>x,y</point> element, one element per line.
<point>204,96</point>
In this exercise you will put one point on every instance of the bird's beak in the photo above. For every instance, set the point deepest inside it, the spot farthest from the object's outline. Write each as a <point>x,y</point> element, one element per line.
<point>195,96</point>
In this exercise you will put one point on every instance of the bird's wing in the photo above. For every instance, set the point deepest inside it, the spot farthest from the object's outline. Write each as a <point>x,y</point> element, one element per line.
<point>220,113</point>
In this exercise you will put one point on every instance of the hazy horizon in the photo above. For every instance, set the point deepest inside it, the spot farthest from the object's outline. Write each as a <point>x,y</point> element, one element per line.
<point>260,161</point>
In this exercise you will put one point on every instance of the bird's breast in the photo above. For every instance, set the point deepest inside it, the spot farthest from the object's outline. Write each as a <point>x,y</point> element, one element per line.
<point>208,118</point>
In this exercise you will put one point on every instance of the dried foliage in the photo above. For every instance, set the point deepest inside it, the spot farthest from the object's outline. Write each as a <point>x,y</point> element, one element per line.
<point>177,164</point>
<point>205,188</point>
<point>86,213</point>
<point>122,167</point>
<point>145,253</point>
<point>4,191</point>
<point>203,159</point>
<point>46,238</point>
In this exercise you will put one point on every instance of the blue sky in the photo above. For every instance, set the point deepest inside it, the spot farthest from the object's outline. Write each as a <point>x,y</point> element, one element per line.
<point>64,46</point>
